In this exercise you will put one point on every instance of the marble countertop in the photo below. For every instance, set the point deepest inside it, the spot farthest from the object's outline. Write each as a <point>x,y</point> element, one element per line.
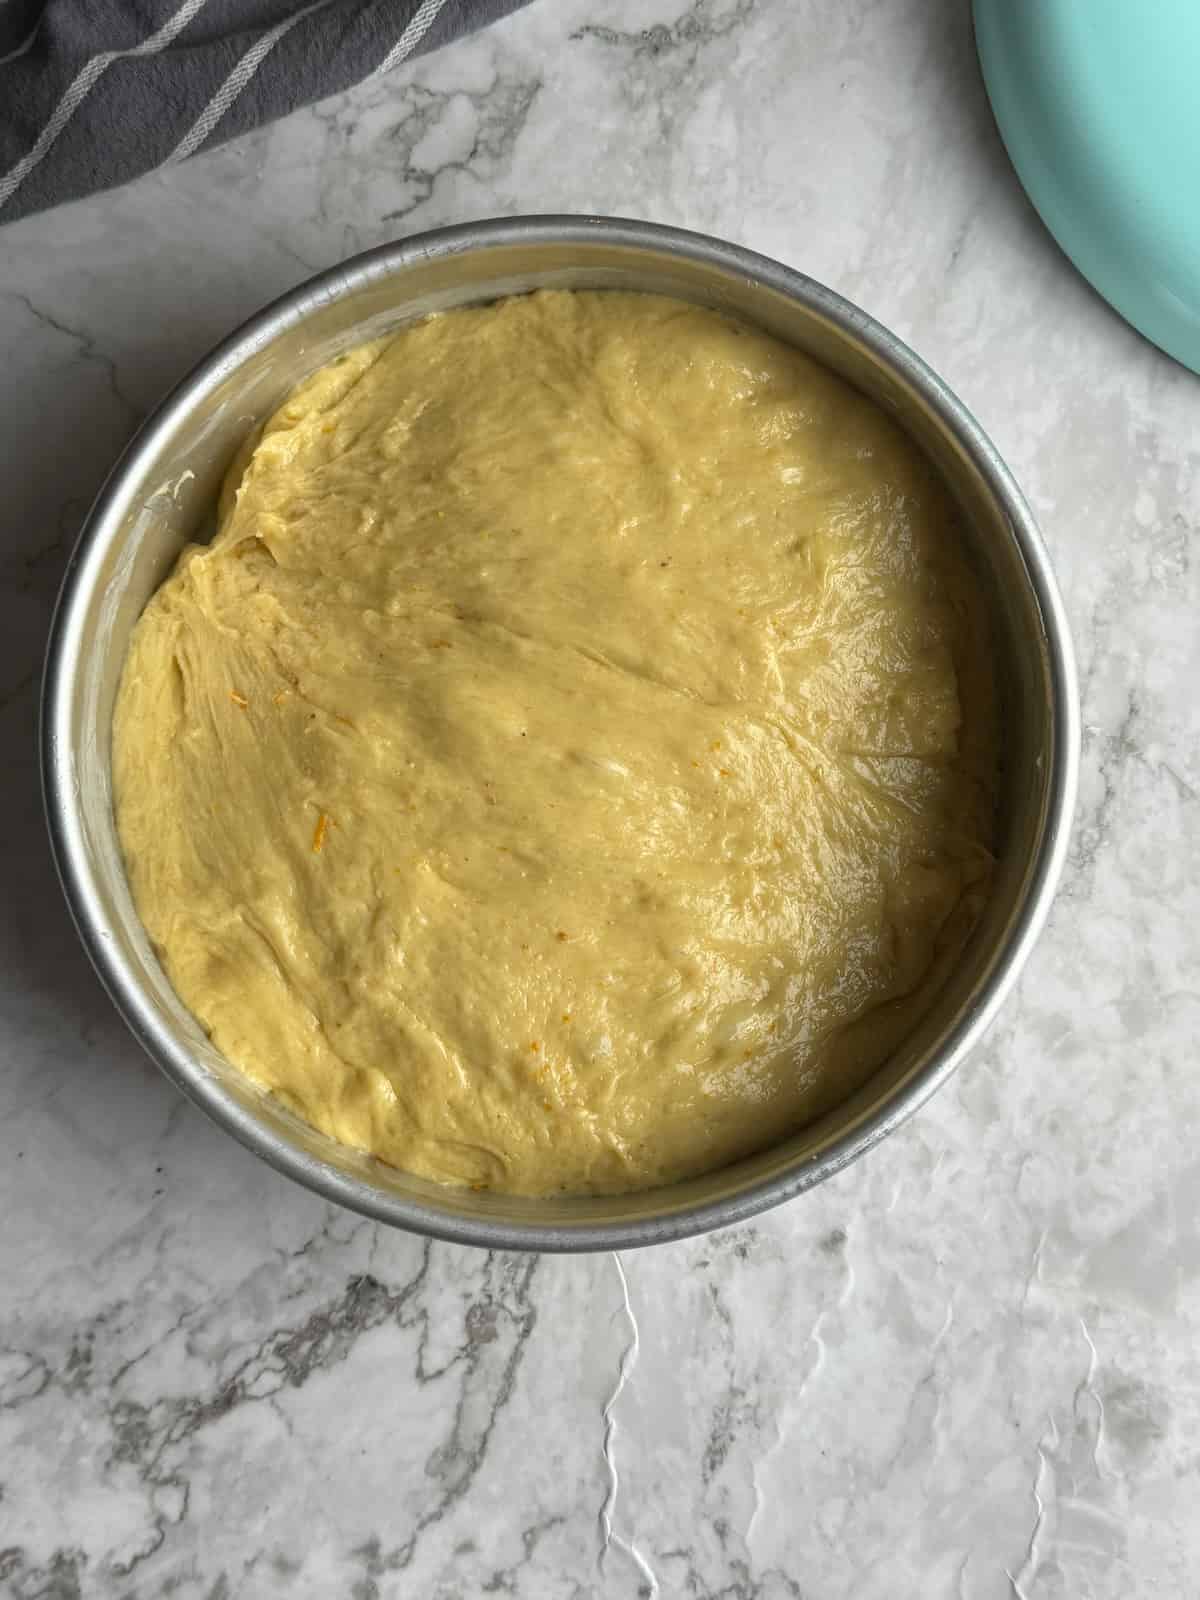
<point>966,1368</point>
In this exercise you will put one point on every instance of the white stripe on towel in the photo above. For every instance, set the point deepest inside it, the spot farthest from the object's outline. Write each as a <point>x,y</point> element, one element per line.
<point>422,19</point>
<point>83,84</point>
<point>236,82</point>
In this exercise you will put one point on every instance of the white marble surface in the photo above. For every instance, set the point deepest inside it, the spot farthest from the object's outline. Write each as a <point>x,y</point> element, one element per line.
<point>968,1368</point>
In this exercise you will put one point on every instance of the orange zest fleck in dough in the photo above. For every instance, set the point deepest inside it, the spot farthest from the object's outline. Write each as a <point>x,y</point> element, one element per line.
<point>319,832</point>
<point>239,700</point>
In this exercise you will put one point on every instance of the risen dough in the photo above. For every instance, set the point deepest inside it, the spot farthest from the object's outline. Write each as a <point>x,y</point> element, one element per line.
<point>568,767</point>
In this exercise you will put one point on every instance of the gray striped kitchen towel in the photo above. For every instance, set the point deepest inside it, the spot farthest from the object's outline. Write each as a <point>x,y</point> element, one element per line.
<point>94,92</point>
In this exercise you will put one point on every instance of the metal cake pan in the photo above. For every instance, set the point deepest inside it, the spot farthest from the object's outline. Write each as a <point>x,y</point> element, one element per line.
<point>162,492</point>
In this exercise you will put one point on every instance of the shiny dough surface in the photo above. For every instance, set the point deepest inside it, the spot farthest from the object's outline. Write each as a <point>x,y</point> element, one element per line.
<point>568,768</point>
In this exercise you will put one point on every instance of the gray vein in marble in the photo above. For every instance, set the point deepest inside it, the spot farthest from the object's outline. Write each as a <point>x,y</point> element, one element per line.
<point>662,61</point>
<point>153,1439</point>
<point>89,348</point>
<point>687,1579</point>
<point>500,113</point>
<point>701,24</point>
<point>59,1579</point>
<point>506,1580</point>
<point>505,1315</point>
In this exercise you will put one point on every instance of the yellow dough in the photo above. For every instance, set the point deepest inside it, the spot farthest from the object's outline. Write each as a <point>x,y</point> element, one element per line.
<point>569,767</point>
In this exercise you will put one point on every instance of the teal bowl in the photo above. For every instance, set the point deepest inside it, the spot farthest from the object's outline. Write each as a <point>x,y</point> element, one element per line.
<point>1098,103</point>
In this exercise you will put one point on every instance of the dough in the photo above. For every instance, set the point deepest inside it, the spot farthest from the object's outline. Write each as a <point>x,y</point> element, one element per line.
<point>569,766</point>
